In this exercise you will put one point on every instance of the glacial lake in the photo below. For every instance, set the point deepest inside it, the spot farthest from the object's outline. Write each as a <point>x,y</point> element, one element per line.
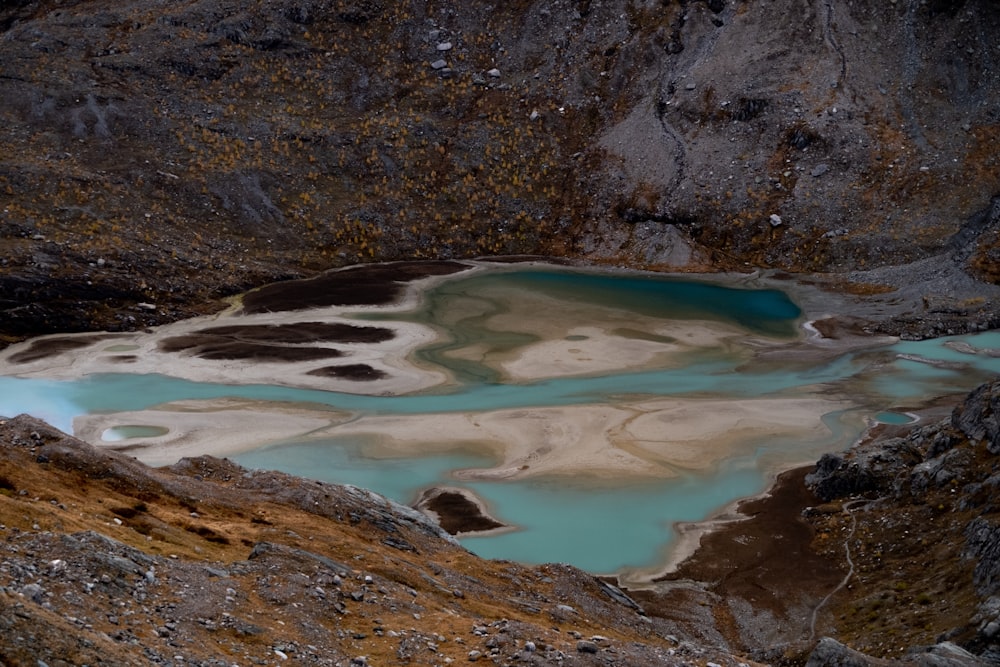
<point>591,411</point>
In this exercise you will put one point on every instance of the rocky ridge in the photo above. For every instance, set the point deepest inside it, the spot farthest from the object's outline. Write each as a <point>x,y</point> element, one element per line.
<point>923,543</point>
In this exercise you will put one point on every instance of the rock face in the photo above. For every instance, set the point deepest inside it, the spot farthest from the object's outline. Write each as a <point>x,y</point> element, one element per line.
<point>979,417</point>
<point>162,156</point>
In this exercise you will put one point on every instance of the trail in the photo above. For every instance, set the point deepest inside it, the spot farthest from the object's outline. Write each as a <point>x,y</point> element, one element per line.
<point>850,563</point>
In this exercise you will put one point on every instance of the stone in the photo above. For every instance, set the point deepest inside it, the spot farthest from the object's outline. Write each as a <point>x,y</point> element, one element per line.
<point>983,545</point>
<point>819,170</point>
<point>493,73</point>
<point>475,655</point>
<point>444,46</point>
<point>831,653</point>
<point>33,592</point>
<point>586,646</point>
<point>439,64</point>
<point>775,220</point>
<point>978,417</point>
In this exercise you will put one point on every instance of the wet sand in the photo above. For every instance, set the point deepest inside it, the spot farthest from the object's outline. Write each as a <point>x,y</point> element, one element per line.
<point>657,438</point>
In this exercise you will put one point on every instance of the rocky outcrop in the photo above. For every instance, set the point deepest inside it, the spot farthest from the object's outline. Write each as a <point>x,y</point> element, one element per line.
<point>979,417</point>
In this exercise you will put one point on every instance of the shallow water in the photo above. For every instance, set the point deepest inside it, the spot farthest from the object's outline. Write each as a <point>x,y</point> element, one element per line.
<point>514,338</point>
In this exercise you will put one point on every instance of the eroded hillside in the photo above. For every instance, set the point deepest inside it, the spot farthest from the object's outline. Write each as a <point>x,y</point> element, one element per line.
<point>156,156</point>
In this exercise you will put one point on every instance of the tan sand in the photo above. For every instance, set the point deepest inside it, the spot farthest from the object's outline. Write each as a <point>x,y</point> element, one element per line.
<point>195,428</point>
<point>144,356</point>
<point>652,438</point>
<point>656,437</point>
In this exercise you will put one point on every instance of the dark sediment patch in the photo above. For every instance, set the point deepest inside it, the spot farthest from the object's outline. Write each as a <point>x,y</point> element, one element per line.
<point>366,284</point>
<point>359,372</point>
<point>303,332</point>
<point>220,348</point>
<point>842,326</point>
<point>767,560</point>
<point>456,512</point>
<point>50,347</point>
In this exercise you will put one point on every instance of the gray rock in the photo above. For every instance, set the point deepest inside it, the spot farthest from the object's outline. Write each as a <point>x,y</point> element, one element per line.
<point>983,545</point>
<point>586,646</point>
<point>444,46</point>
<point>947,654</point>
<point>819,170</point>
<point>978,417</point>
<point>831,653</point>
<point>33,592</point>
<point>439,64</point>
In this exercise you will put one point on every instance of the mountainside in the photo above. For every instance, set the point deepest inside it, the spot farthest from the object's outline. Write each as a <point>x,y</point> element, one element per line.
<point>155,156</point>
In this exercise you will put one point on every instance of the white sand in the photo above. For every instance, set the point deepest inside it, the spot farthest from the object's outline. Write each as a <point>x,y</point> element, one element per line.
<point>390,356</point>
<point>650,438</point>
<point>195,428</point>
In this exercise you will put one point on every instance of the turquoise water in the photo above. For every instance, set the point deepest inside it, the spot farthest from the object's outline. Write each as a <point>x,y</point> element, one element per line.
<point>590,527</point>
<point>602,526</point>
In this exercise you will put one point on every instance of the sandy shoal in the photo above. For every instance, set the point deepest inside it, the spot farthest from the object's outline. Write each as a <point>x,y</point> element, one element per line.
<point>140,353</point>
<point>195,428</point>
<point>658,438</point>
<point>592,350</point>
<point>652,438</point>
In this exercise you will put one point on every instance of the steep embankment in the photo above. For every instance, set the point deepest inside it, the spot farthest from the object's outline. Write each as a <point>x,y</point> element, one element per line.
<point>154,157</point>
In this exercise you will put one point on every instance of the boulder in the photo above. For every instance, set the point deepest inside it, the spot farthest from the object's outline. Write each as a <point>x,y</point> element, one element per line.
<point>978,417</point>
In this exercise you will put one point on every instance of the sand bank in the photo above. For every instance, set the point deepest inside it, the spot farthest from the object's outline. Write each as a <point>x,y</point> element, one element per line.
<point>659,438</point>
<point>195,428</point>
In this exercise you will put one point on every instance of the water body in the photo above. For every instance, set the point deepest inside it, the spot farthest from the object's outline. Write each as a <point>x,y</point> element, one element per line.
<point>520,345</point>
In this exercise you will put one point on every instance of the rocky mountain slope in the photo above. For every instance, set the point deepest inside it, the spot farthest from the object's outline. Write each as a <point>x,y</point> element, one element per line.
<point>154,157</point>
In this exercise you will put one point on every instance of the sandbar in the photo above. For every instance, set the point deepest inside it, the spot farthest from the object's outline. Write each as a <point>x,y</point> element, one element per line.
<point>195,428</point>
